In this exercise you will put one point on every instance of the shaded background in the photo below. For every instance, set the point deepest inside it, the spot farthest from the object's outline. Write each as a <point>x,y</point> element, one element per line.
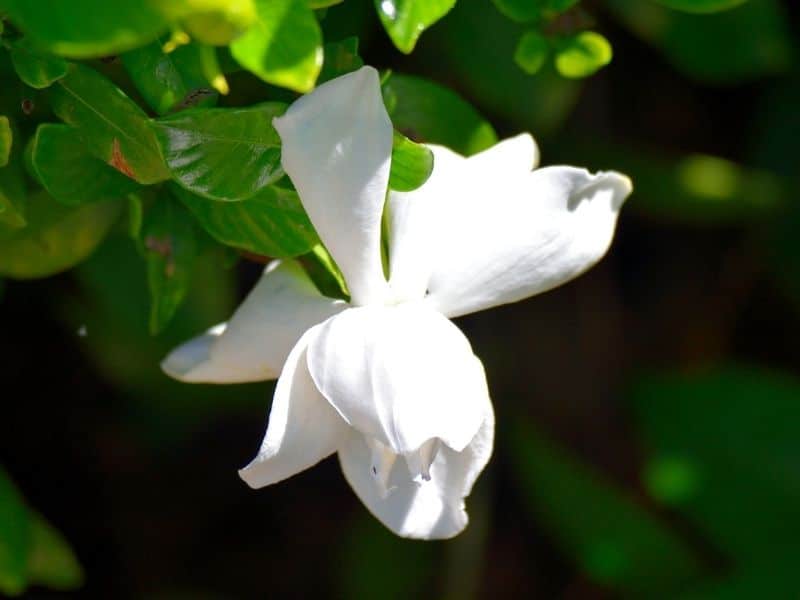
<point>648,438</point>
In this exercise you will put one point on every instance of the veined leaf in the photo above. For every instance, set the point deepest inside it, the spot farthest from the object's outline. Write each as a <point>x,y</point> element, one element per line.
<point>116,130</point>
<point>61,163</point>
<point>222,153</point>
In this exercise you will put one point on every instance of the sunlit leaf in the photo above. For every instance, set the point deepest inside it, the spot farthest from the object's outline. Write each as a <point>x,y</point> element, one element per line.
<point>271,223</point>
<point>283,46</point>
<point>86,28</point>
<point>36,68</point>
<point>217,22</point>
<point>614,540</point>
<point>222,153</point>
<point>582,55</point>
<point>170,245</point>
<point>428,112</point>
<point>405,20</point>
<point>56,237</point>
<point>412,164</point>
<point>12,195</point>
<point>169,81</point>
<point>116,130</point>
<point>61,163</point>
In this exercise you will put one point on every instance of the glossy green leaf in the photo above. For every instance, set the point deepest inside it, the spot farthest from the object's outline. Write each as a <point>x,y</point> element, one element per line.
<point>36,68</point>
<point>582,55</point>
<point>217,22</point>
<point>737,45</point>
<point>701,6</point>
<point>61,163</point>
<point>532,52</point>
<point>12,196</point>
<point>405,20</point>
<point>51,562</point>
<point>428,112</point>
<point>614,540</point>
<point>116,130</point>
<point>6,139</point>
<point>14,537</point>
<point>88,28</point>
<point>283,46</point>
<point>733,428</point>
<point>412,164</point>
<point>222,153</point>
<point>340,58</point>
<point>56,237</point>
<point>271,223</point>
<point>170,243</point>
<point>169,81</point>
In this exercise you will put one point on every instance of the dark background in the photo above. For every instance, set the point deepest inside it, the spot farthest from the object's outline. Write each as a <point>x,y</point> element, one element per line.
<point>693,316</point>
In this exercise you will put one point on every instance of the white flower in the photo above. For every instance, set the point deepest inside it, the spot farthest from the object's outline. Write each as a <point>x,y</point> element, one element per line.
<point>388,381</point>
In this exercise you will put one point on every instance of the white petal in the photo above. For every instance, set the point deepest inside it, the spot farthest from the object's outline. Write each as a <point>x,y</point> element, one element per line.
<point>516,236</point>
<point>518,154</point>
<point>303,428</point>
<point>400,374</point>
<point>256,341</point>
<point>337,147</point>
<point>432,509</point>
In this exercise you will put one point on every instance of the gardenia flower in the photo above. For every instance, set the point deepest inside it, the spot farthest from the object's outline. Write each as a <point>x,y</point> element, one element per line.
<point>387,381</point>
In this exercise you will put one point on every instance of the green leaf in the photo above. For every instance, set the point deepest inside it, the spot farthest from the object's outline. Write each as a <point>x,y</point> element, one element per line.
<point>340,58</point>
<point>733,429</point>
<point>317,4</point>
<point>325,273</point>
<point>169,81</point>
<point>217,22</point>
<point>737,45</point>
<point>170,246</point>
<point>61,163</point>
<point>701,6</point>
<point>116,130</point>
<point>222,153</point>
<point>412,164</point>
<point>532,51</point>
<point>283,46</point>
<point>521,11</point>
<point>405,20</point>
<point>615,541</point>
<point>88,28</point>
<point>14,537</point>
<point>6,138</point>
<point>582,55</point>
<point>271,223</point>
<point>12,196</point>
<point>56,237</point>
<point>51,562</point>
<point>37,69</point>
<point>427,112</point>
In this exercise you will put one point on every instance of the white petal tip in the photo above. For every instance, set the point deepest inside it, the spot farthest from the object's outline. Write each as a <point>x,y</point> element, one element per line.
<point>248,475</point>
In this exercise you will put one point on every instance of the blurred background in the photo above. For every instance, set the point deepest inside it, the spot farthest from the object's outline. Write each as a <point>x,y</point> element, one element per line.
<point>648,413</point>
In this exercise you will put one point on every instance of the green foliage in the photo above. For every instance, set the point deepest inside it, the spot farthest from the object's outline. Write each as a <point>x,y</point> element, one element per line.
<point>169,80</point>
<point>32,552</point>
<point>733,429</point>
<point>412,164</point>
<point>340,58</point>
<point>427,112</point>
<point>60,161</point>
<point>55,238</point>
<point>37,69</point>
<point>405,20</point>
<point>221,153</point>
<point>170,246</point>
<point>270,223</point>
<point>12,196</point>
<point>615,541</point>
<point>6,138</point>
<point>532,52</point>
<point>701,6</point>
<point>582,55</point>
<point>283,46</point>
<point>115,129</point>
